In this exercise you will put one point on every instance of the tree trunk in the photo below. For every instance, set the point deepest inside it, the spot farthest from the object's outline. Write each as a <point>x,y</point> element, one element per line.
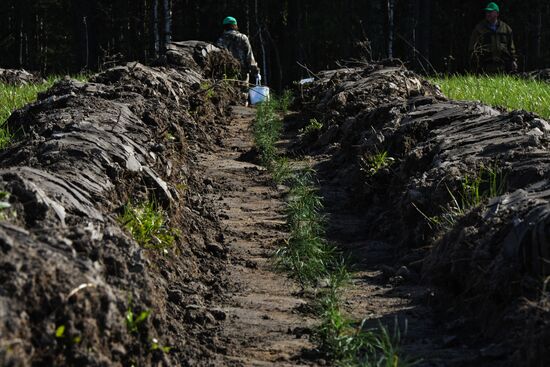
<point>20,38</point>
<point>390,28</point>
<point>86,43</point>
<point>424,29</point>
<point>155,26</point>
<point>538,35</point>
<point>167,17</point>
<point>260,31</point>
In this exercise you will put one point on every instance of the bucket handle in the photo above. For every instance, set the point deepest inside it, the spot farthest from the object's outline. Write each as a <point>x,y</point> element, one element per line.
<point>258,80</point>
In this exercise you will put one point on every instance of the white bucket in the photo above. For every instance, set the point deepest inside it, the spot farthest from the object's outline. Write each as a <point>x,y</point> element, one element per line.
<point>258,94</point>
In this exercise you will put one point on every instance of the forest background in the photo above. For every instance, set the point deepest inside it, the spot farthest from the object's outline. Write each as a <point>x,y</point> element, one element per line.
<point>71,36</point>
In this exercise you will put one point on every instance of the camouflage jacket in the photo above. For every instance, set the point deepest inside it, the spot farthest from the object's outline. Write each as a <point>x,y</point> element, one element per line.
<point>488,46</point>
<point>239,46</point>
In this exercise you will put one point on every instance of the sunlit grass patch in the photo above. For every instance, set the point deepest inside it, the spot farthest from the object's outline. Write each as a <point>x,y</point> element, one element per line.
<point>312,126</point>
<point>499,90</point>
<point>373,163</point>
<point>148,225</point>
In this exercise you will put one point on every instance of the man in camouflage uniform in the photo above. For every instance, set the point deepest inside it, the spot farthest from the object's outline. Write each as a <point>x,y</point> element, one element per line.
<point>239,46</point>
<point>492,48</point>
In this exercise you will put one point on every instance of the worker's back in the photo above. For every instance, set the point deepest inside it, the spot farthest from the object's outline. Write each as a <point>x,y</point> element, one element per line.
<point>239,46</point>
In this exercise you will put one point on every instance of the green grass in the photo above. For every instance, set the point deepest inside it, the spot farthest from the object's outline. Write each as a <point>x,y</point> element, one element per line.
<point>208,89</point>
<point>13,98</point>
<point>148,225</point>
<point>284,101</point>
<point>156,346</point>
<point>281,170</point>
<point>499,90</point>
<point>307,257</point>
<point>135,321</point>
<point>374,163</point>
<point>312,126</point>
<point>347,342</point>
<point>267,131</point>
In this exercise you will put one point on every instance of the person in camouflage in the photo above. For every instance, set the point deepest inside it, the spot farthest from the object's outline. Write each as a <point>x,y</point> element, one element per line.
<point>239,46</point>
<point>491,47</point>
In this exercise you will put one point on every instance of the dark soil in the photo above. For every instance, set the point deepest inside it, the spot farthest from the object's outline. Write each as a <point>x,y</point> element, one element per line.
<point>84,151</point>
<point>487,267</point>
<point>541,74</point>
<point>18,77</point>
<point>264,326</point>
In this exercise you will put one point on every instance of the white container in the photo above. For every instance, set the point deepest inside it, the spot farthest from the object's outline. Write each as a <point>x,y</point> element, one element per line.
<point>258,94</point>
<point>306,81</point>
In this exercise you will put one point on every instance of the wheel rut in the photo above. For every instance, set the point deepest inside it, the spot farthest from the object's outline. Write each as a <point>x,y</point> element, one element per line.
<point>262,322</point>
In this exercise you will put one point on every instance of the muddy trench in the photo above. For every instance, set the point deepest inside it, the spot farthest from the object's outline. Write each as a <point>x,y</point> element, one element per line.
<point>464,284</point>
<point>467,277</point>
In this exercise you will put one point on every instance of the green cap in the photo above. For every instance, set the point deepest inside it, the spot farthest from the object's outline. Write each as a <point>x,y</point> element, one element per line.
<point>492,7</point>
<point>229,20</point>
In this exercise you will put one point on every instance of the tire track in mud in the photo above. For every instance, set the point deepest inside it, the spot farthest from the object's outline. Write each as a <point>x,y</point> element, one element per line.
<point>263,326</point>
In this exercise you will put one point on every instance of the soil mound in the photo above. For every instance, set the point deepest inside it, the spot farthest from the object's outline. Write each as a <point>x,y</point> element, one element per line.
<point>18,77</point>
<point>460,186</point>
<point>541,74</point>
<point>72,280</point>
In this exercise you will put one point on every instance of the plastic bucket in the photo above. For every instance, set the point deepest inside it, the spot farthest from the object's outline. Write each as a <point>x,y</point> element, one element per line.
<point>258,94</point>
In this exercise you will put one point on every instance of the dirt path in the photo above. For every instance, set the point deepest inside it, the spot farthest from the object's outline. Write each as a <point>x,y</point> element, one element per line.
<point>264,323</point>
<point>261,315</point>
<point>387,295</point>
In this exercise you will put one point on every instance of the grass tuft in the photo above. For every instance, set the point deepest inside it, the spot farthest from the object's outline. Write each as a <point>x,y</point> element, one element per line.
<point>134,322</point>
<point>374,163</point>
<point>475,190</point>
<point>348,342</point>
<point>284,102</point>
<point>281,170</point>
<point>499,90</point>
<point>267,131</point>
<point>305,255</point>
<point>148,225</point>
<point>312,126</point>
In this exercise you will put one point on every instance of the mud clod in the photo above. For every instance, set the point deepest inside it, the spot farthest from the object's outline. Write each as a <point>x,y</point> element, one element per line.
<point>19,77</point>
